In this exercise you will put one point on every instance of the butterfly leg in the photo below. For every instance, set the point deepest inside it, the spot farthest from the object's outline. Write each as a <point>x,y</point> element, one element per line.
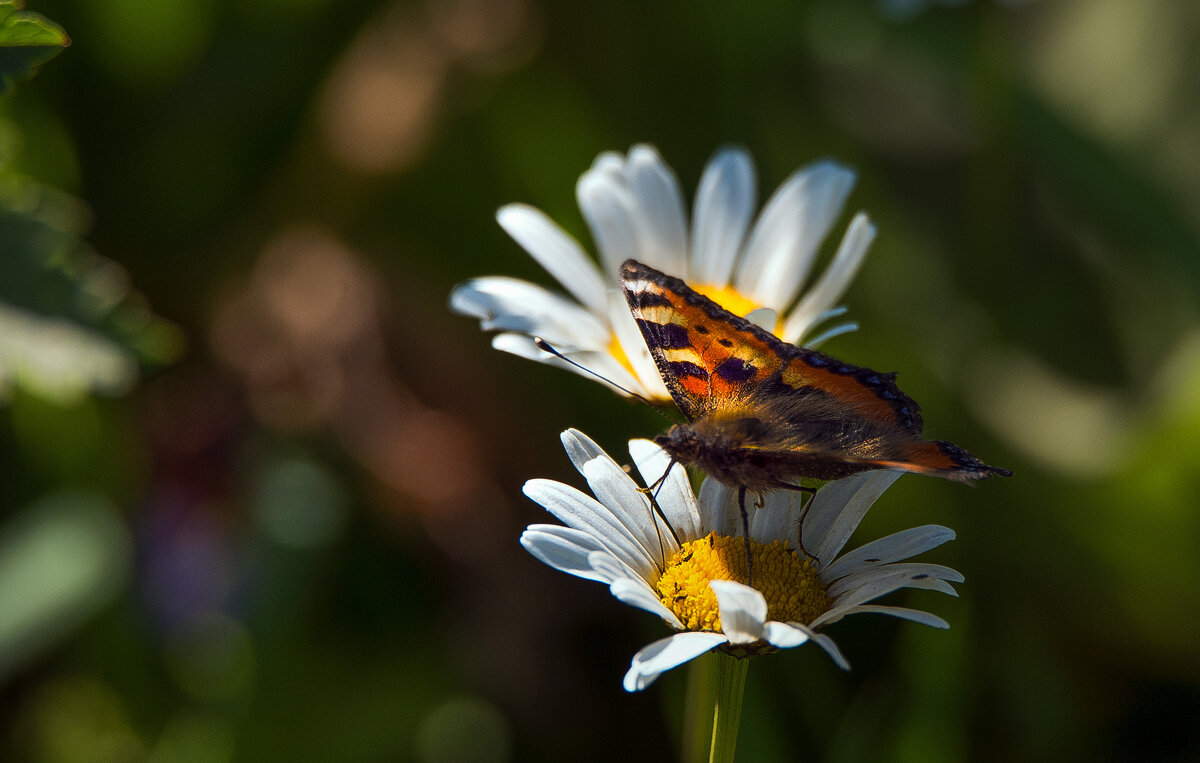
<point>812,493</point>
<point>746,535</point>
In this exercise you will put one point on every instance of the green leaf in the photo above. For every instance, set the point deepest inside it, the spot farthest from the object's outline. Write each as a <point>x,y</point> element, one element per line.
<point>27,40</point>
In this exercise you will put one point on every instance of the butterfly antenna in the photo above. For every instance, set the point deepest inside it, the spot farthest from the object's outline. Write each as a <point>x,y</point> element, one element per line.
<point>545,346</point>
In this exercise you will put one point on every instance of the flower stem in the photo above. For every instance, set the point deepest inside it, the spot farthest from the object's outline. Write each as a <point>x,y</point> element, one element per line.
<point>698,709</point>
<point>727,709</point>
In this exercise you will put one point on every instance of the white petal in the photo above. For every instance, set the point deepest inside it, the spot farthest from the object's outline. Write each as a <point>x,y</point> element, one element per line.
<point>664,654</point>
<point>719,511</point>
<point>825,336</point>
<point>557,252</point>
<point>784,242</point>
<point>662,219</point>
<point>608,163</point>
<point>915,575</point>
<point>915,615</point>
<point>675,495</point>
<point>779,517</point>
<point>838,508</point>
<point>859,589</point>
<point>763,317</point>
<point>743,611</point>
<point>582,512</point>
<point>724,202</point>
<point>784,635</point>
<point>596,366</point>
<point>565,549</point>
<point>833,283</point>
<point>634,347</point>
<point>608,206</point>
<point>631,588</point>
<point>629,592</point>
<point>892,548</point>
<point>580,448</point>
<point>620,495</point>
<point>510,304</point>
<point>831,649</point>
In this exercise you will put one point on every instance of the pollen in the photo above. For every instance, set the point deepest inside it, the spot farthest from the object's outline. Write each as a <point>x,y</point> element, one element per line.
<point>787,580</point>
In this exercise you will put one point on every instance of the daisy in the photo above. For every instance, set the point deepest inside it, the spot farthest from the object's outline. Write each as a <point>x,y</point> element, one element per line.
<point>690,569</point>
<point>634,208</point>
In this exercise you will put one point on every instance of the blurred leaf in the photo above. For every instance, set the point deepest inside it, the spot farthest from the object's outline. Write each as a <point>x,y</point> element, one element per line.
<point>70,323</point>
<point>27,40</point>
<point>61,559</point>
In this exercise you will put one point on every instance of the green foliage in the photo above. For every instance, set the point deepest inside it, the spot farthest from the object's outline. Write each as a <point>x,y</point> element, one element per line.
<point>27,40</point>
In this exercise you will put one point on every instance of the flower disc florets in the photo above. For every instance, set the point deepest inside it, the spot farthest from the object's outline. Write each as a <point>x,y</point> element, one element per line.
<point>787,580</point>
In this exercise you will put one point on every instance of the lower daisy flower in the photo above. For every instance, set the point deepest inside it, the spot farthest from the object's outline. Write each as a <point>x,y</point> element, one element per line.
<point>687,564</point>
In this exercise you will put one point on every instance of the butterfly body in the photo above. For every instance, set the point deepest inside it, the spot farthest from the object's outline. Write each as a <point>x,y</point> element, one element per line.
<point>762,413</point>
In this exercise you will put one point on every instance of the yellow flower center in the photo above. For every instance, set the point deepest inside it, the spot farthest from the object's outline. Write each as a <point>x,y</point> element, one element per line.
<point>728,297</point>
<point>786,579</point>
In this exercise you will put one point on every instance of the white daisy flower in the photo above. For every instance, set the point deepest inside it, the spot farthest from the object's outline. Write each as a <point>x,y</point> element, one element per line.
<point>690,569</point>
<point>634,207</point>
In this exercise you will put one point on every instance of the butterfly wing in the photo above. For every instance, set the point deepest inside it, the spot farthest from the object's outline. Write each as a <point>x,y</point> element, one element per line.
<point>709,358</point>
<point>771,411</point>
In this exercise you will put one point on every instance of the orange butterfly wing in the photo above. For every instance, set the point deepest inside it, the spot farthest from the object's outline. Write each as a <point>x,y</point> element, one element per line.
<point>819,417</point>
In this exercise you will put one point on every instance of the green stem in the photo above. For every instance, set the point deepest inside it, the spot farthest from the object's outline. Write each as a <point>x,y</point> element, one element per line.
<point>727,710</point>
<point>698,708</point>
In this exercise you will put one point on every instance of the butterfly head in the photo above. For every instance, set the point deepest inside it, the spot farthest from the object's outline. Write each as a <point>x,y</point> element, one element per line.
<point>726,450</point>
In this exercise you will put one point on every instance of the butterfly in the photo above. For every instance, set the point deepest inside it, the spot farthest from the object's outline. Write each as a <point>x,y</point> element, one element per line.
<point>763,414</point>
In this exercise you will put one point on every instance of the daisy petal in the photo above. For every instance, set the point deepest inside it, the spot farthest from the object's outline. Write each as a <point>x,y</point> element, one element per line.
<point>778,518</point>
<point>584,513</point>
<point>719,511</point>
<point>834,281</point>
<point>859,589</point>
<point>825,336</point>
<point>628,591</point>
<point>609,208</point>
<point>838,508</point>
<point>892,548</point>
<point>592,365</point>
<point>675,496</point>
<point>629,337</point>
<point>630,588</point>
<point>580,448</point>
<point>664,654</point>
<point>559,254</point>
<point>510,304</point>
<point>831,649</point>
<point>663,221</point>
<point>784,242</point>
<point>724,202</point>
<point>784,635</point>
<point>566,549</point>
<point>619,493</point>
<point>904,613</point>
<point>743,611</point>
<point>763,317</point>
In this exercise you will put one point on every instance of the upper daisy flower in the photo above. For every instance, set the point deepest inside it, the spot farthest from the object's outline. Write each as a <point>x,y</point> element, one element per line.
<point>635,209</point>
<point>688,566</point>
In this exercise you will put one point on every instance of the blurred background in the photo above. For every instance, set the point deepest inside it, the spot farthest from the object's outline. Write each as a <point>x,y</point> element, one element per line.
<point>261,490</point>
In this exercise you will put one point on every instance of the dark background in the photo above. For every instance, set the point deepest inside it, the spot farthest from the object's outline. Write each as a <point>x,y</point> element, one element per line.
<point>293,535</point>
